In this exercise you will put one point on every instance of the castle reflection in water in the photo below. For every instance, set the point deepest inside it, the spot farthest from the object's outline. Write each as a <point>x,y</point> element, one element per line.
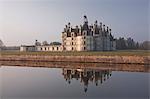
<point>86,75</point>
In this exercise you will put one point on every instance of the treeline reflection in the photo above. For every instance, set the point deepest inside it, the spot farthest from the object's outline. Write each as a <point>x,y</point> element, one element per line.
<point>85,76</point>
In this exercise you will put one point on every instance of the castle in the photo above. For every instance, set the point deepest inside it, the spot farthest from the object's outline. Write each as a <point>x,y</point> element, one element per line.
<point>86,76</point>
<point>88,37</point>
<point>84,38</point>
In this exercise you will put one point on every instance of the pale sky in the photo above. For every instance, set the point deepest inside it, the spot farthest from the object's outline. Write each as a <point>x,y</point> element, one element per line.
<point>24,21</point>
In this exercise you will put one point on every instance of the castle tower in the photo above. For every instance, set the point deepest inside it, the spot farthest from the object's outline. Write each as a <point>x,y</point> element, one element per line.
<point>85,24</point>
<point>104,28</point>
<point>85,19</point>
<point>96,37</point>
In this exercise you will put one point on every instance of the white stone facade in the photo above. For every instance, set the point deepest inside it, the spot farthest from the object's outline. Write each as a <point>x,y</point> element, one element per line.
<point>88,38</point>
<point>49,48</point>
<point>30,48</point>
<point>41,48</point>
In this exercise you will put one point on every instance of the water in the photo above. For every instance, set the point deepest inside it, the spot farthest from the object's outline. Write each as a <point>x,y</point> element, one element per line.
<point>70,83</point>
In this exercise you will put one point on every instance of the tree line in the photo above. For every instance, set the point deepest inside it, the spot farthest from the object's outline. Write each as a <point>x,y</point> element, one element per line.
<point>130,44</point>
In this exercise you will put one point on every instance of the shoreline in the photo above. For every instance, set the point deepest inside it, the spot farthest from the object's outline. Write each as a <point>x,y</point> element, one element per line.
<point>71,65</point>
<point>143,60</point>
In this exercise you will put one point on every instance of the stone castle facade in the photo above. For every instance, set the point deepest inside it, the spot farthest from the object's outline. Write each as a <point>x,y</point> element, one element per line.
<point>95,37</point>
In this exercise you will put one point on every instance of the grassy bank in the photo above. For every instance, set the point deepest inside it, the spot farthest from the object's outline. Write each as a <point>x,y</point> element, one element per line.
<point>106,53</point>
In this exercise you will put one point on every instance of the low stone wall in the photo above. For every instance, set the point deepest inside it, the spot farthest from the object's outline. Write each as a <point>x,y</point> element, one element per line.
<point>89,59</point>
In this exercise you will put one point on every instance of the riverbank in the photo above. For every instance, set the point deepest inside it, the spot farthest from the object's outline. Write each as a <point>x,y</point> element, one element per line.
<point>72,65</point>
<point>116,57</point>
<point>83,59</point>
<point>94,53</point>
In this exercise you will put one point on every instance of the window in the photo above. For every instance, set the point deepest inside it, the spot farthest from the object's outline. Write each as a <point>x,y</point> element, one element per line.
<point>57,48</point>
<point>72,48</point>
<point>84,42</point>
<point>41,48</point>
<point>72,38</point>
<point>84,48</point>
<point>52,48</point>
<point>84,33</point>
<point>72,43</point>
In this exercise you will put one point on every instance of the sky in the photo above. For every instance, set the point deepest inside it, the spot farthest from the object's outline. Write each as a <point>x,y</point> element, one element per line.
<point>24,21</point>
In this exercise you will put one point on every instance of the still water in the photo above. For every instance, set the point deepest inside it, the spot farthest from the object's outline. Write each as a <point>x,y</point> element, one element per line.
<point>68,83</point>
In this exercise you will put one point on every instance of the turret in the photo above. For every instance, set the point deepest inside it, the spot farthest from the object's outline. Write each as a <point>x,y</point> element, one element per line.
<point>107,29</point>
<point>69,26</point>
<point>100,25</point>
<point>104,27</point>
<point>85,19</point>
<point>95,23</point>
<point>77,30</point>
<point>85,25</point>
<point>65,29</point>
<point>96,29</point>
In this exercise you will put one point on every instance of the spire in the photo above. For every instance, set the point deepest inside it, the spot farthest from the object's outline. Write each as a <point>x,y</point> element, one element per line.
<point>104,27</point>
<point>85,25</point>
<point>107,29</point>
<point>100,25</point>
<point>85,19</point>
<point>95,23</point>
<point>110,31</point>
<point>69,24</point>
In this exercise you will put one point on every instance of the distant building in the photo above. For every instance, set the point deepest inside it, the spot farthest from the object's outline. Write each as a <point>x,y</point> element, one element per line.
<point>54,46</point>
<point>29,48</point>
<point>88,38</point>
<point>10,48</point>
<point>49,48</point>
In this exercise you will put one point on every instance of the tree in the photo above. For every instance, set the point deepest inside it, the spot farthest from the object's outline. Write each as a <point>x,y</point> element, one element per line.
<point>145,45</point>
<point>121,43</point>
<point>45,43</point>
<point>55,43</point>
<point>137,46</point>
<point>1,43</point>
<point>131,43</point>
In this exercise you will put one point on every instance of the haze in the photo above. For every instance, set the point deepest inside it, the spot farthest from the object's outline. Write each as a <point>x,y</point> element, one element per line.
<point>24,21</point>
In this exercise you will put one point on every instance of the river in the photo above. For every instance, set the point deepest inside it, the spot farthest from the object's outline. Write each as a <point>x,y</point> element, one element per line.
<point>70,82</point>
